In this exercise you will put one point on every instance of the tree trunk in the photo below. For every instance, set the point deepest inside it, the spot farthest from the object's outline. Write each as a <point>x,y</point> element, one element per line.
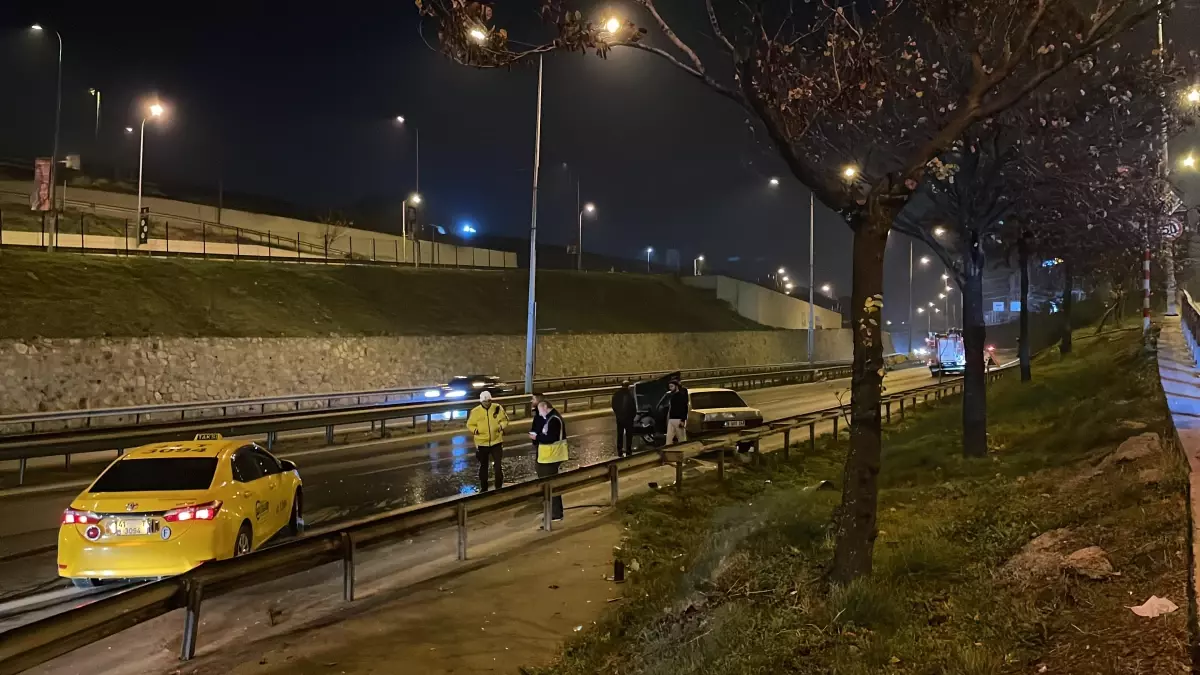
<point>1068,299</point>
<point>855,519</point>
<point>1023,341</point>
<point>974,405</point>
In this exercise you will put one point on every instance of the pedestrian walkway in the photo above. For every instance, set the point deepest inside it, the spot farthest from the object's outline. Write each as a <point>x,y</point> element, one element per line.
<point>1177,369</point>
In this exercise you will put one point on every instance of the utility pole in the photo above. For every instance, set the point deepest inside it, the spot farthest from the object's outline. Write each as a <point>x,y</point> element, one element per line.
<point>911,331</point>
<point>1164,172</point>
<point>531,311</point>
<point>812,207</point>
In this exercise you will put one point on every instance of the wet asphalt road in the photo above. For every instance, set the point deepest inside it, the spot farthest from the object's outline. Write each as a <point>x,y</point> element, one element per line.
<point>349,482</point>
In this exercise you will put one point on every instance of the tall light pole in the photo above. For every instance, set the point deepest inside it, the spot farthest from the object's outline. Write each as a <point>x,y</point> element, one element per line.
<point>417,149</point>
<point>911,324</point>
<point>96,92</point>
<point>415,200</point>
<point>928,320</point>
<point>57,115</point>
<point>155,110</point>
<point>812,313</point>
<point>697,262</point>
<point>588,208</point>
<point>649,251</point>
<point>531,311</point>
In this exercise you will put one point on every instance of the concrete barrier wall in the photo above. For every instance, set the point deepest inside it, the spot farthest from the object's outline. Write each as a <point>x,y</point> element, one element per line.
<point>70,374</point>
<point>765,306</point>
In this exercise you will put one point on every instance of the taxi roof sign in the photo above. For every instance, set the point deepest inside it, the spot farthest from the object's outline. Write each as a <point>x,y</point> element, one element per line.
<point>208,437</point>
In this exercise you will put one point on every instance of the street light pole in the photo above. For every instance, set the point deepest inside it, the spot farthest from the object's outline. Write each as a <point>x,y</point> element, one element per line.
<point>649,250</point>
<point>588,208</point>
<point>96,134</point>
<point>531,311</point>
<point>811,258</point>
<point>911,347</point>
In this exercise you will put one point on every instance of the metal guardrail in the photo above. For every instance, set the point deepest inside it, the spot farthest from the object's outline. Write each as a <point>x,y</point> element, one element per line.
<point>341,399</point>
<point>67,443</point>
<point>40,641</point>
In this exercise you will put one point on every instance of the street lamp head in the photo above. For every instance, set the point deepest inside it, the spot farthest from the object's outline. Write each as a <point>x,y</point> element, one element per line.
<point>924,260</point>
<point>400,119</point>
<point>931,304</point>
<point>477,35</point>
<point>941,296</point>
<point>589,207</point>
<point>414,198</point>
<point>948,289</point>
<point>649,250</point>
<point>774,182</point>
<point>92,91</point>
<point>701,257</point>
<point>788,286</point>
<point>36,26</point>
<point>781,271</point>
<point>826,288</point>
<point>939,231</point>
<point>129,130</point>
<point>156,110</point>
<point>945,277</point>
<point>920,310</point>
<point>612,25</point>
<point>937,310</point>
<point>1193,95</point>
<point>1189,162</point>
<point>849,172</point>
<point>786,279</point>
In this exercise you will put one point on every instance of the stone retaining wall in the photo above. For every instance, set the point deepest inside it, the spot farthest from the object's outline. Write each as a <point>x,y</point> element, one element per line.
<point>73,374</point>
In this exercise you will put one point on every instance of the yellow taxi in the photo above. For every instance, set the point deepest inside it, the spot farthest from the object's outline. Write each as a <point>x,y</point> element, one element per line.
<point>166,508</point>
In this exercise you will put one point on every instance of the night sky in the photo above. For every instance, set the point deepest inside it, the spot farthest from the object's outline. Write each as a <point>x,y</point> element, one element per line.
<point>300,106</point>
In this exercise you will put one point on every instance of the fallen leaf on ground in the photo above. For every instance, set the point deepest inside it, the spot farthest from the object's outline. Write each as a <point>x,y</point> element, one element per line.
<point>1154,607</point>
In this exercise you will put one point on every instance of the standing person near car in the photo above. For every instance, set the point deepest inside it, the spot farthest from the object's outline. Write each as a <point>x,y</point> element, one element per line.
<point>677,412</point>
<point>538,421</point>
<point>487,422</point>
<point>551,444</point>
<point>624,411</point>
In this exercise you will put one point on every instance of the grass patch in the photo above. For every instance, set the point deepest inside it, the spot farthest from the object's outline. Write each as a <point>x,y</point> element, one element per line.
<point>732,576</point>
<point>70,295</point>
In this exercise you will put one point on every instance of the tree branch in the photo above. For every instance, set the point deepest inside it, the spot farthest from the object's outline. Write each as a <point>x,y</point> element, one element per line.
<point>666,30</point>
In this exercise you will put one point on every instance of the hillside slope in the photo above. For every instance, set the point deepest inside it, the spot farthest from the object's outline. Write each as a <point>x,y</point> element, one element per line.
<point>71,295</point>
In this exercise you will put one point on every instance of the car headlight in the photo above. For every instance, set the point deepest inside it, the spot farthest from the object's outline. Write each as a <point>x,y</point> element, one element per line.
<point>433,393</point>
<point>456,393</point>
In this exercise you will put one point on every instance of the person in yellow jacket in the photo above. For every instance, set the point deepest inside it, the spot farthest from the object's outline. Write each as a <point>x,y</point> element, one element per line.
<point>487,422</point>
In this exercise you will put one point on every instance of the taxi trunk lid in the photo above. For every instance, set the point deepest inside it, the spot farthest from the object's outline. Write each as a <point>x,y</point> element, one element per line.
<point>132,503</point>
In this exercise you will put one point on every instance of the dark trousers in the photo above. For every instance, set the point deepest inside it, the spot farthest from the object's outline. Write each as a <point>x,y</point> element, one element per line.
<point>493,454</point>
<point>624,439</point>
<point>556,505</point>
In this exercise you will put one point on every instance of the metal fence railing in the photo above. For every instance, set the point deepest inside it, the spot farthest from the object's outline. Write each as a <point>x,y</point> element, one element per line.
<point>172,235</point>
<point>40,641</point>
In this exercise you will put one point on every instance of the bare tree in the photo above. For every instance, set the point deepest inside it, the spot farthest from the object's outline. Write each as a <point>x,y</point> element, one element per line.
<point>857,98</point>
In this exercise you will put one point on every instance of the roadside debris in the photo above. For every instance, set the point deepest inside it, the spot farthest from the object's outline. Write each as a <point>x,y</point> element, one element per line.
<point>1153,607</point>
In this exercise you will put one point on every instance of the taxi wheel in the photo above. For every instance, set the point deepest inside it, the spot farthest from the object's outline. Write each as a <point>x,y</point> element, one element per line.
<point>296,524</point>
<point>243,543</point>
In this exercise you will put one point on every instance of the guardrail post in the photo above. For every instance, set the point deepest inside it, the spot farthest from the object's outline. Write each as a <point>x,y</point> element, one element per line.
<point>721,463</point>
<point>347,567</point>
<point>887,407</point>
<point>812,436</point>
<point>547,502</point>
<point>835,436</point>
<point>68,462</point>
<point>191,619</point>
<point>901,408</point>
<point>383,432</point>
<point>787,442</point>
<point>461,513</point>
<point>21,472</point>
<point>329,435</point>
<point>270,439</point>
<point>614,485</point>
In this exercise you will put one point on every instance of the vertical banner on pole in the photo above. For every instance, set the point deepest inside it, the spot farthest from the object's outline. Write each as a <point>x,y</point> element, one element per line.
<point>39,199</point>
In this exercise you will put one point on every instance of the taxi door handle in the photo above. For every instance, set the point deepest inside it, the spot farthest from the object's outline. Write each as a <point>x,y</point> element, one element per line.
<point>247,494</point>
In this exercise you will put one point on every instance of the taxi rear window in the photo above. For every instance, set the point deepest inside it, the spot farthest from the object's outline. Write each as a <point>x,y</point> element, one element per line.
<point>157,475</point>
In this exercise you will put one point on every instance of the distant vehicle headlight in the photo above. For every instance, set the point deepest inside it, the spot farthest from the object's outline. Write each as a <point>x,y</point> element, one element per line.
<point>456,393</point>
<point>478,384</point>
<point>433,393</point>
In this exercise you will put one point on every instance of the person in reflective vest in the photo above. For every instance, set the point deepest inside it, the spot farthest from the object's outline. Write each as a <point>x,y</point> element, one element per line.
<point>487,422</point>
<point>551,444</point>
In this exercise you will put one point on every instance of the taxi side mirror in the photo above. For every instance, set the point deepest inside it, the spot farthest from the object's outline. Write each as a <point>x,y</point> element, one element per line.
<point>287,464</point>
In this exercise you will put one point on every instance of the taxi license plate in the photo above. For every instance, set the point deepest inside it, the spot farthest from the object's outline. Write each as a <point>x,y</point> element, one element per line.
<point>126,527</point>
<point>736,423</point>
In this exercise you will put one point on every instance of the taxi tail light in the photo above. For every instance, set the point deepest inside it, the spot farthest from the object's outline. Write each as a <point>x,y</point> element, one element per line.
<point>74,517</point>
<point>198,512</point>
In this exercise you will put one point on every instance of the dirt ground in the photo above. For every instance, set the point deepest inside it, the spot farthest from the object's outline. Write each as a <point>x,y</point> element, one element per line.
<point>513,611</point>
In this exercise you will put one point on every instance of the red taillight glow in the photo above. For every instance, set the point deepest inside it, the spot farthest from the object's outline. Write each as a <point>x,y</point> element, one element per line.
<point>73,517</point>
<point>198,512</point>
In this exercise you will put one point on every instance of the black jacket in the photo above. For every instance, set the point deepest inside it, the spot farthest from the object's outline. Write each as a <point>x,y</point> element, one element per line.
<point>623,407</point>
<point>553,430</point>
<point>679,405</point>
<point>536,427</point>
